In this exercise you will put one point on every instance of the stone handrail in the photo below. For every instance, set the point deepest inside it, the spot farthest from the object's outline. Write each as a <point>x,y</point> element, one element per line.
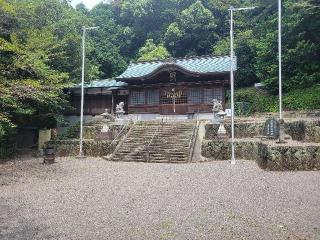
<point>125,126</point>
<point>193,139</point>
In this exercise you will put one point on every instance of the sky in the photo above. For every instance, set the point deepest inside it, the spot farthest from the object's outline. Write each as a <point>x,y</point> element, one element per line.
<point>89,3</point>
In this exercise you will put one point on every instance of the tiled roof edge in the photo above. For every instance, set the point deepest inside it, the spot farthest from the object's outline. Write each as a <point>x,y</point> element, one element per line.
<point>180,58</point>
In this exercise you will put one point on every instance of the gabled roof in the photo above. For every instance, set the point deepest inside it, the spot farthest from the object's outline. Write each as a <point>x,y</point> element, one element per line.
<point>195,65</point>
<point>104,83</point>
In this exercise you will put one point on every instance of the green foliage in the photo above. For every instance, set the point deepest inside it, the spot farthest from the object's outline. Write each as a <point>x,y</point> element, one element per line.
<point>39,54</point>
<point>301,47</point>
<point>40,48</point>
<point>259,101</point>
<point>193,31</point>
<point>301,99</point>
<point>71,132</point>
<point>151,51</point>
<point>7,137</point>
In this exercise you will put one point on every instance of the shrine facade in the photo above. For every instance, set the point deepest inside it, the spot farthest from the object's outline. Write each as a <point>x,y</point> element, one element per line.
<point>177,86</point>
<point>173,86</point>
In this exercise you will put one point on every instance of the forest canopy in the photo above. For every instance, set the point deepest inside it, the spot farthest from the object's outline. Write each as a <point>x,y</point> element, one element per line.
<point>40,46</point>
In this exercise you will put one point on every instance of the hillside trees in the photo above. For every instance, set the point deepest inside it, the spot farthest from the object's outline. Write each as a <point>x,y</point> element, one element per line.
<point>193,31</point>
<point>40,55</point>
<point>40,45</point>
<point>301,46</point>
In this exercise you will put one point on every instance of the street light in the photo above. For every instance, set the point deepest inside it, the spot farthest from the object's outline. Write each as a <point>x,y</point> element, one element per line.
<point>232,9</point>
<point>84,29</point>
<point>280,65</point>
<point>281,132</point>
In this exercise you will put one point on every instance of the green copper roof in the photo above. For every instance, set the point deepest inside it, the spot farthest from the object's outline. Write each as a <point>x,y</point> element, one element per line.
<point>105,83</point>
<point>198,65</point>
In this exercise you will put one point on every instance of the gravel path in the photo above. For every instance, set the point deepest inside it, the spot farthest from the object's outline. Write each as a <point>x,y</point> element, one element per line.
<point>96,199</point>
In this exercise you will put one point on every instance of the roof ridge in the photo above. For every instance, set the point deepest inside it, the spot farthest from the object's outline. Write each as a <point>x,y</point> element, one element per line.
<point>173,60</point>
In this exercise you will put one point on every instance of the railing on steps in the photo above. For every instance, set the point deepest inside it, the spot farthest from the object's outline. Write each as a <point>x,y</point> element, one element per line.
<point>125,126</point>
<point>193,140</point>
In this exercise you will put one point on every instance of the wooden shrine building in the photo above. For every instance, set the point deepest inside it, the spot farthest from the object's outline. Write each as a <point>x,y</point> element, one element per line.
<point>173,86</point>
<point>176,86</point>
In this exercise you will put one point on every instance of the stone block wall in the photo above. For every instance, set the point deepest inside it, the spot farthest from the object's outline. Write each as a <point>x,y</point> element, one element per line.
<point>291,158</point>
<point>267,154</point>
<point>312,131</point>
<point>92,148</point>
<point>91,132</point>
<point>221,150</point>
<point>241,130</point>
<point>307,131</point>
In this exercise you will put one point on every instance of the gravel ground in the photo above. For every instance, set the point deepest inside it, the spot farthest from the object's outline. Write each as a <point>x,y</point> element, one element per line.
<point>96,199</point>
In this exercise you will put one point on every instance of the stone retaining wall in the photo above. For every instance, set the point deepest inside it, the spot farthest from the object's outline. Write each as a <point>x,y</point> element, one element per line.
<point>92,148</point>
<point>268,155</point>
<point>290,158</point>
<point>221,150</point>
<point>94,132</point>
<point>307,131</point>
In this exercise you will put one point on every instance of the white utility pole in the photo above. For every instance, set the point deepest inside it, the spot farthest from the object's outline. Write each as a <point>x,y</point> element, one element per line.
<point>232,67</point>
<point>280,65</point>
<point>84,29</point>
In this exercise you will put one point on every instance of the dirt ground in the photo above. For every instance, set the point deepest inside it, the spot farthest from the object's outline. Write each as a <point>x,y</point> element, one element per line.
<point>96,199</point>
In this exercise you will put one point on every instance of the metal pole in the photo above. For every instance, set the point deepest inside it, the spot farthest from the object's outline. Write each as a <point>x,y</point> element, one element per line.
<point>233,160</point>
<point>280,65</point>
<point>82,91</point>
<point>84,29</point>
<point>232,65</point>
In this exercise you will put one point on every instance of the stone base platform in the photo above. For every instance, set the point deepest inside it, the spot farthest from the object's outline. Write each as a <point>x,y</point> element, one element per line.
<point>268,154</point>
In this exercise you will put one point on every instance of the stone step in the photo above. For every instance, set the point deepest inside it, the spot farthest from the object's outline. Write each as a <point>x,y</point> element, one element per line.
<point>157,142</point>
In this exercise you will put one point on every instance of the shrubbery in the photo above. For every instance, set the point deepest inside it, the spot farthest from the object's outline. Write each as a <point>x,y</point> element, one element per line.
<point>258,101</point>
<point>261,101</point>
<point>303,99</point>
<point>7,137</point>
<point>70,133</point>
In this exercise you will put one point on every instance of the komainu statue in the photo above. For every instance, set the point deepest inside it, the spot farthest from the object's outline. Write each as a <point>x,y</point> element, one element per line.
<point>119,107</point>
<point>217,105</point>
<point>119,110</point>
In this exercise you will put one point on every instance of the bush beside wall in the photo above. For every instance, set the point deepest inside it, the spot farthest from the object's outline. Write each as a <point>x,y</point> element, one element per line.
<point>261,101</point>
<point>7,138</point>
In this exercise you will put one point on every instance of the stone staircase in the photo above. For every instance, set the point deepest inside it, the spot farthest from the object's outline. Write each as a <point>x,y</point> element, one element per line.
<point>158,141</point>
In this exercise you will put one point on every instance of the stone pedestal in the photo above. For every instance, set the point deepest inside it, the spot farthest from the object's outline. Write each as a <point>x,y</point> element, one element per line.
<point>120,114</point>
<point>281,131</point>
<point>216,118</point>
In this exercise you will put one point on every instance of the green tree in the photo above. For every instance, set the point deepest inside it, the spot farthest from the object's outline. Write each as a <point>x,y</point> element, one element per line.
<point>38,59</point>
<point>301,48</point>
<point>151,51</point>
<point>193,31</point>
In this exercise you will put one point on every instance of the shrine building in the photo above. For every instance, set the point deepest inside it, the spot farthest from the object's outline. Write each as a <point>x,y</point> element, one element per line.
<point>173,86</point>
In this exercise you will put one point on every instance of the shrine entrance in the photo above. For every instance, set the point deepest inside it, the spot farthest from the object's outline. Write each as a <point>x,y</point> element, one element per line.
<point>173,100</point>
